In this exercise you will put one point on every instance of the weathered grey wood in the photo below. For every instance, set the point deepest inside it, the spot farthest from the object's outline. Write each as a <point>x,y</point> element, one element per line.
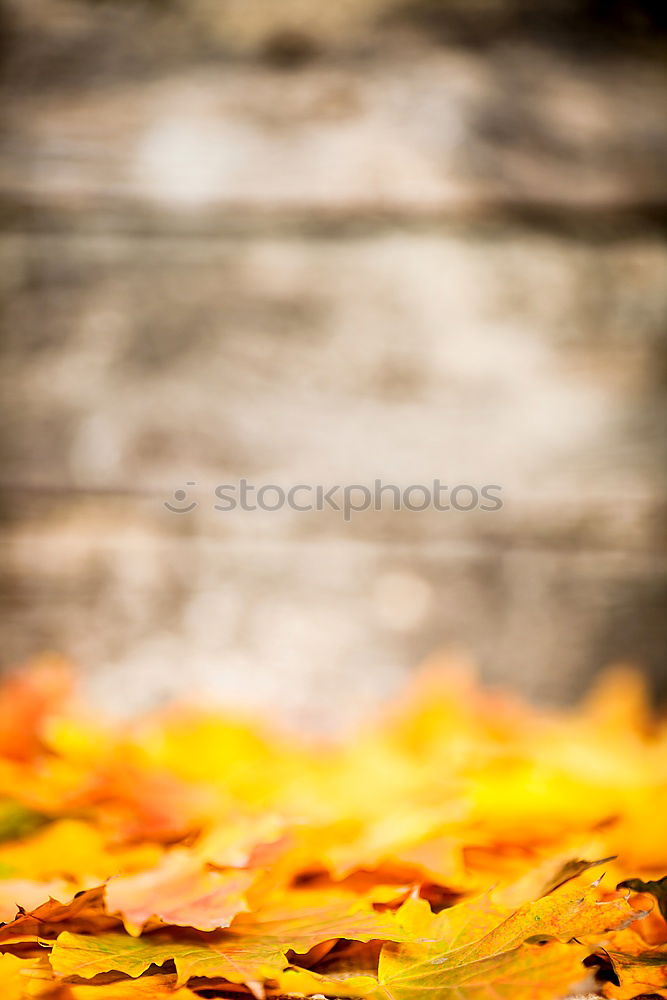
<point>448,131</point>
<point>434,262</point>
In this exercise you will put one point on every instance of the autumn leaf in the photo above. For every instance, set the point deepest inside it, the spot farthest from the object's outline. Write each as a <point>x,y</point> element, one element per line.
<point>29,699</point>
<point>656,887</point>
<point>180,891</point>
<point>436,853</point>
<point>515,958</point>
<point>626,968</point>
<point>529,971</point>
<point>74,850</point>
<point>11,982</point>
<point>150,988</point>
<point>251,950</point>
<point>29,929</point>
<point>303,982</point>
<point>16,820</point>
<point>24,894</point>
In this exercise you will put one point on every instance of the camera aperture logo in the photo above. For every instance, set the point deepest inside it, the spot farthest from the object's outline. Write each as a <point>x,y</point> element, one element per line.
<point>347,500</point>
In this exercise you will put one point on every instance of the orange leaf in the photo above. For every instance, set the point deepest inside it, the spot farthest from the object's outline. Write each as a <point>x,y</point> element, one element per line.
<point>179,891</point>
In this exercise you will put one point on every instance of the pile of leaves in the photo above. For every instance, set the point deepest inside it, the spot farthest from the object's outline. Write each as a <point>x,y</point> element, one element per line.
<point>448,850</point>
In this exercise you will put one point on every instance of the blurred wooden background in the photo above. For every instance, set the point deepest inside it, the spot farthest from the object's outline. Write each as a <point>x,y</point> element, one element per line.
<point>315,243</point>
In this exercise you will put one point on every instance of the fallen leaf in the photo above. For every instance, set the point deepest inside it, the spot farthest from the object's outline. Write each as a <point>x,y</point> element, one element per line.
<point>179,891</point>
<point>251,950</point>
<point>506,960</point>
<point>436,853</point>
<point>656,887</point>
